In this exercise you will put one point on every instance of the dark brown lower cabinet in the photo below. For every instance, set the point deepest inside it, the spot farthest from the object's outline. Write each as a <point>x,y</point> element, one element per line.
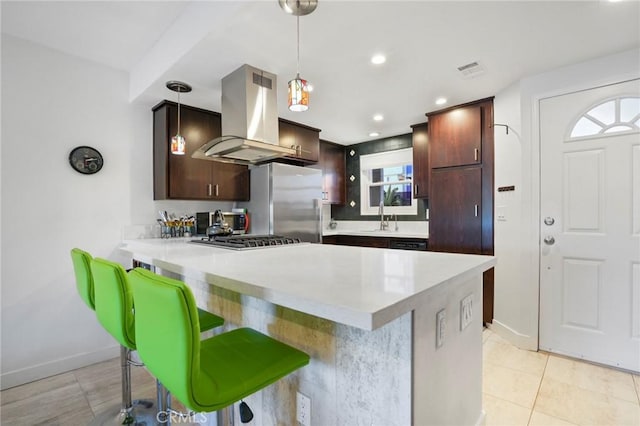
<point>377,242</point>
<point>455,211</point>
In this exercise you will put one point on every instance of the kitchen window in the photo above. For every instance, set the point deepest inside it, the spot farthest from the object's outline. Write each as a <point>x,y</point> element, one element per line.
<point>387,177</point>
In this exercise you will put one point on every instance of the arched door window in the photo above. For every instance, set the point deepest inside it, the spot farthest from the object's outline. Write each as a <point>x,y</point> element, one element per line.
<point>612,116</point>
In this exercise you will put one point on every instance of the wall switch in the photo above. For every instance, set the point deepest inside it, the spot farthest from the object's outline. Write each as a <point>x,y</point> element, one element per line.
<point>466,311</point>
<point>441,325</point>
<point>303,409</point>
<point>501,213</point>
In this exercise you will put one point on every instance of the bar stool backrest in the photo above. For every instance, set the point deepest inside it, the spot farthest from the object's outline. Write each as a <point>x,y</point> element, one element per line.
<point>168,333</point>
<point>84,280</point>
<point>114,301</point>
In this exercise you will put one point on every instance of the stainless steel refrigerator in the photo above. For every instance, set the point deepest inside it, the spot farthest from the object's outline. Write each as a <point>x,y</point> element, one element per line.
<point>286,200</point>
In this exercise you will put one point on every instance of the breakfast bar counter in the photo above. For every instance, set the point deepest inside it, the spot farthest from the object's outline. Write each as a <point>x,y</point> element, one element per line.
<point>366,316</point>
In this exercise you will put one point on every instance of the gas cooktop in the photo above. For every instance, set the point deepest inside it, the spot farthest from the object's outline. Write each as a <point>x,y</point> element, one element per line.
<point>244,242</point>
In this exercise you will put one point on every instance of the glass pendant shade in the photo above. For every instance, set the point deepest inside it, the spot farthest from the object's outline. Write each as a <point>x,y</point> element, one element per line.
<point>298,94</point>
<point>177,145</point>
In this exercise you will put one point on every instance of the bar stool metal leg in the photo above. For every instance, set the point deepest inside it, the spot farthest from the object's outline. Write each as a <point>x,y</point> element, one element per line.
<point>163,403</point>
<point>126,385</point>
<point>128,412</point>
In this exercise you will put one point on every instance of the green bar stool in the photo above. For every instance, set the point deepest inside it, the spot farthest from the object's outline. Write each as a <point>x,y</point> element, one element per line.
<point>206,375</point>
<point>114,312</point>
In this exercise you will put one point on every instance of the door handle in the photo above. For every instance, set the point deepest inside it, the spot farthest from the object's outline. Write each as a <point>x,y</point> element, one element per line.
<point>476,153</point>
<point>209,190</point>
<point>549,221</point>
<point>415,189</point>
<point>475,210</point>
<point>549,240</point>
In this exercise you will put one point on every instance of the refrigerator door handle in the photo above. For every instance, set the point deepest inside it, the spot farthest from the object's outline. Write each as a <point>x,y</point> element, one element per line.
<point>318,206</point>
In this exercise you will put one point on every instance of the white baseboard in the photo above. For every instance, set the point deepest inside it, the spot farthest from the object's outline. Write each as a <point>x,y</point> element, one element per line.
<point>48,369</point>
<point>482,420</point>
<point>521,341</point>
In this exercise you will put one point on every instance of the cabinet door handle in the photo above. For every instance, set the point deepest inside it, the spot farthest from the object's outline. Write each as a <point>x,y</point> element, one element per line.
<point>415,189</point>
<point>476,153</point>
<point>209,190</point>
<point>216,189</point>
<point>475,210</point>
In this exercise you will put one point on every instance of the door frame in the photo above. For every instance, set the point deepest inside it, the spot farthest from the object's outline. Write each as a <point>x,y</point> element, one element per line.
<point>535,222</point>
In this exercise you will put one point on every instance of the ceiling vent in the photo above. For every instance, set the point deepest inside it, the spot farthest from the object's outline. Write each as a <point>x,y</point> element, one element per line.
<point>471,70</point>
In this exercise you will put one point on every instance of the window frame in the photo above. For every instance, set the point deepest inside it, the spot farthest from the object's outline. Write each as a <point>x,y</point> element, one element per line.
<point>394,158</point>
<point>633,128</point>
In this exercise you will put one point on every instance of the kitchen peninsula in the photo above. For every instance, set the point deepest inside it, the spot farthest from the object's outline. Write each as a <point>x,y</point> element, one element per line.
<point>366,316</point>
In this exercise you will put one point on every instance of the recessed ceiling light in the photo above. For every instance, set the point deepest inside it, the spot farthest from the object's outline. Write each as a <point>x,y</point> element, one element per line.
<point>374,134</point>
<point>441,101</point>
<point>378,117</point>
<point>378,59</point>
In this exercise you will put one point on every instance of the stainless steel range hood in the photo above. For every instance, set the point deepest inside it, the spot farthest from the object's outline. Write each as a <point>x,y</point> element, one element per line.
<point>249,120</point>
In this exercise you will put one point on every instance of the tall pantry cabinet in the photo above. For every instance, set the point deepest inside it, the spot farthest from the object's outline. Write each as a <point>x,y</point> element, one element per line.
<point>461,181</point>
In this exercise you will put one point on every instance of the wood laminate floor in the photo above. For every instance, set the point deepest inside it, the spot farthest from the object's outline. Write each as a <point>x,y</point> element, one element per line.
<point>72,398</point>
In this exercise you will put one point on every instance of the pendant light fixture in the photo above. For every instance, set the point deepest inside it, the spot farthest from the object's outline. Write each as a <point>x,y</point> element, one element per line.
<point>178,144</point>
<point>298,87</point>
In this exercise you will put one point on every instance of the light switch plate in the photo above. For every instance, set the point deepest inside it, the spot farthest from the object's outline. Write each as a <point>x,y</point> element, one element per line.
<point>501,213</point>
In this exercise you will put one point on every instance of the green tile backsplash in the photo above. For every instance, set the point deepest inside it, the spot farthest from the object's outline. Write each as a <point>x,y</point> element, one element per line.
<point>349,212</point>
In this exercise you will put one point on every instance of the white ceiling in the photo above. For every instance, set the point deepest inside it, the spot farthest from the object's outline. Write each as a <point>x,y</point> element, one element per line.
<point>425,42</point>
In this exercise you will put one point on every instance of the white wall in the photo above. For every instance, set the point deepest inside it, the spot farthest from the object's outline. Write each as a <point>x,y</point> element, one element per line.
<point>52,102</point>
<point>508,231</point>
<point>517,157</point>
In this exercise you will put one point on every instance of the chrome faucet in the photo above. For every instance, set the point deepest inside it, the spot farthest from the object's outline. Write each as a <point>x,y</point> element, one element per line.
<point>383,224</point>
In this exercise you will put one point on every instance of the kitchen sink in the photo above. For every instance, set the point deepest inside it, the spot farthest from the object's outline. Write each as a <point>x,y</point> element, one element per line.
<point>379,231</point>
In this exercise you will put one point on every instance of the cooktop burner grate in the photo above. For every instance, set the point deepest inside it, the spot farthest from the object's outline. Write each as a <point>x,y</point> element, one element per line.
<point>240,242</point>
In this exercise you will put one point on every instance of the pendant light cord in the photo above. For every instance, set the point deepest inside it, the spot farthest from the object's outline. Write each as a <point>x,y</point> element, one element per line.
<point>298,33</point>
<point>178,111</point>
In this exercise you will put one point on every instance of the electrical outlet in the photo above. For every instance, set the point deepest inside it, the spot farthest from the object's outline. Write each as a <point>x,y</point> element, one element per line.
<point>466,311</point>
<point>441,325</point>
<point>303,409</point>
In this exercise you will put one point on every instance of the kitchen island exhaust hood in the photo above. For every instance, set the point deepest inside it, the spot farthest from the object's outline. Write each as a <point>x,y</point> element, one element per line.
<point>249,120</point>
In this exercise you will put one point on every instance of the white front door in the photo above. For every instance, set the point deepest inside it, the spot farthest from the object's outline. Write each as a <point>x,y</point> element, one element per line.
<point>590,224</point>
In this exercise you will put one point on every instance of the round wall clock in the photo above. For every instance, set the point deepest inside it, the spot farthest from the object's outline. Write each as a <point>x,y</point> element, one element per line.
<point>85,160</point>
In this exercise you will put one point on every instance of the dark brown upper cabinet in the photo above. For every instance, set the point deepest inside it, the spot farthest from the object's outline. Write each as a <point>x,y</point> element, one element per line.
<point>420,139</point>
<point>305,139</point>
<point>332,162</point>
<point>180,177</point>
<point>455,137</point>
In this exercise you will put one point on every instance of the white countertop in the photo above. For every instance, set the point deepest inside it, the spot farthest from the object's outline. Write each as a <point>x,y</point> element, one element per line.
<point>417,229</point>
<point>358,286</point>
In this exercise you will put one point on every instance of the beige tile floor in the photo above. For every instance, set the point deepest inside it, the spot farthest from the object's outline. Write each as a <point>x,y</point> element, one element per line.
<point>539,389</point>
<point>519,388</point>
